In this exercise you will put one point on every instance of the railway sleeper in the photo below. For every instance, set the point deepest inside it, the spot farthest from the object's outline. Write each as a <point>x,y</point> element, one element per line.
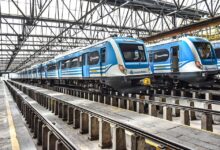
<point>109,135</point>
<point>190,93</point>
<point>46,137</point>
<point>152,109</point>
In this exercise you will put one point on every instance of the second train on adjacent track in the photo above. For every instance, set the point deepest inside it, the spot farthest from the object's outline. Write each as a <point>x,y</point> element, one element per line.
<point>187,60</point>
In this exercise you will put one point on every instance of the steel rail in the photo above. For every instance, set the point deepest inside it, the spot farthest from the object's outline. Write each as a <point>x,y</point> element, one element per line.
<point>217,102</point>
<point>141,132</point>
<point>202,110</point>
<point>48,123</point>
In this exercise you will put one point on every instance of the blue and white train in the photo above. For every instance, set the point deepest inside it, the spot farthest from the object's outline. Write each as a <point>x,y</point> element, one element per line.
<point>117,62</point>
<point>216,46</point>
<point>187,59</point>
<point>122,62</point>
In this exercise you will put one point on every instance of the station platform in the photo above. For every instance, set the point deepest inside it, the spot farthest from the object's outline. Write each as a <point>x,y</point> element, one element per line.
<point>14,134</point>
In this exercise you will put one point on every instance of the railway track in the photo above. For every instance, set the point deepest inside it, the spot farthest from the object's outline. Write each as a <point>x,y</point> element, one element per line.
<point>41,124</point>
<point>158,106</point>
<point>45,101</point>
<point>208,94</point>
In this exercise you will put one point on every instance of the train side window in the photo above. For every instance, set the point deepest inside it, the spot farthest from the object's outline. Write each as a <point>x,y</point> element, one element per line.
<point>71,63</point>
<point>74,62</point>
<point>66,64</point>
<point>151,56</point>
<point>80,61</point>
<point>159,55</point>
<point>41,69</point>
<point>103,55</point>
<point>48,68</point>
<point>51,67</point>
<point>93,58</point>
<point>77,62</point>
<point>63,65</point>
<point>217,52</point>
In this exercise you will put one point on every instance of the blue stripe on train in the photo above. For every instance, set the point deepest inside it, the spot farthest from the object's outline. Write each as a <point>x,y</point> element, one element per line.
<point>168,66</point>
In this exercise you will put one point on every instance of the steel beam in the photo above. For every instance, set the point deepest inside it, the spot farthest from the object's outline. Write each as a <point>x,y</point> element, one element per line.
<point>66,45</point>
<point>63,21</point>
<point>31,50</point>
<point>48,36</point>
<point>155,7</point>
<point>185,29</point>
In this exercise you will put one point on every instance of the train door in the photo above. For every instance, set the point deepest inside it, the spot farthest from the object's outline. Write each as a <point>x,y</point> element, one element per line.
<point>102,60</point>
<point>58,65</point>
<point>151,60</point>
<point>175,58</point>
<point>45,70</point>
<point>41,72</point>
<point>85,66</point>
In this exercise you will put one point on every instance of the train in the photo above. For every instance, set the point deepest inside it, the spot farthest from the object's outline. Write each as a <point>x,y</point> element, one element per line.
<point>126,64</point>
<point>216,46</point>
<point>184,61</point>
<point>116,62</point>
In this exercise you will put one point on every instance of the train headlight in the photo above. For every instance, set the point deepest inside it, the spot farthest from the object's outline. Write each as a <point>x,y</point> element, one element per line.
<point>198,64</point>
<point>122,69</point>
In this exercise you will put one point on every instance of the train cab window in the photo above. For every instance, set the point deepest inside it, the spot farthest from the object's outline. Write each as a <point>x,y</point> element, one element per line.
<point>204,49</point>
<point>93,58</point>
<point>133,52</point>
<point>103,54</point>
<point>159,55</point>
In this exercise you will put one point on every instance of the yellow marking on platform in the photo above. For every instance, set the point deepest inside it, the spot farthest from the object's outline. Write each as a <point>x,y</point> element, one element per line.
<point>12,131</point>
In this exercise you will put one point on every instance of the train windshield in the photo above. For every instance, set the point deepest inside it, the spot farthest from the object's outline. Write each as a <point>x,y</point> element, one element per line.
<point>205,50</point>
<point>133,52</point>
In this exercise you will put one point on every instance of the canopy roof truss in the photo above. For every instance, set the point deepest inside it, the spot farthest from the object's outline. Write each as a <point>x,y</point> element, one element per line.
<point>33,31</point>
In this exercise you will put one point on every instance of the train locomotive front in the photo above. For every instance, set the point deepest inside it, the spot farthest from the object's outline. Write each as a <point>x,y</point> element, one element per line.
<point>131,64</point>
<point>184,61</point>
<point>119,63</point>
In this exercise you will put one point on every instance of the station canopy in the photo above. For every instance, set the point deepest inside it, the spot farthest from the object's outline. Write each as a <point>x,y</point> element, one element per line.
<point>34,31</point>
